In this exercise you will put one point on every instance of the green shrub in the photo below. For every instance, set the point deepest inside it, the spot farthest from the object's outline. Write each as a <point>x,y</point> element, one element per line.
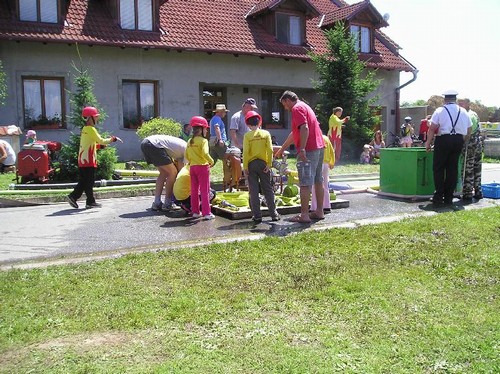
<point>159,125</point>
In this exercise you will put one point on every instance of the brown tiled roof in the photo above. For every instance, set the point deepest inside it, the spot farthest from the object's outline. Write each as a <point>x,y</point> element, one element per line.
<point>198,25</point>
<point>351,11</point>
<point>266,5</point>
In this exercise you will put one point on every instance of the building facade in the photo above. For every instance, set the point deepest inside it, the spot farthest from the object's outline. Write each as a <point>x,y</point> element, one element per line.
<point>176,59</point>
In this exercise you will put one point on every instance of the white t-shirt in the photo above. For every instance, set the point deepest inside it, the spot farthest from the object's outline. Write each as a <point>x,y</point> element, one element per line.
<point>175,147</point>
<point>11,155</point>
<point>442,118</point>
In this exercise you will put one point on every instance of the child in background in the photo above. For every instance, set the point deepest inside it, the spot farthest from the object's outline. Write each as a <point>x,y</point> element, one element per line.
<point>365,156</point>
<point>377,143</point>
<point>328,163</point>
<point>87,159</point>
<point>406,133</point>
<point>30,137</point>
<point>257,163</point>
<point>186,132</point>
<point>200,161</point>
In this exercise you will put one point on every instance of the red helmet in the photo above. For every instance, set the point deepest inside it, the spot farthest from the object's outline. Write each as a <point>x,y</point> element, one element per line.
<point>251,114</point>
<point>90,111</point>
<point>198,121</point>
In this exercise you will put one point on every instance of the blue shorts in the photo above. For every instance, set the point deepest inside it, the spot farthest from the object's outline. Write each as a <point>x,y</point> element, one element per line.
<point>310,172</point>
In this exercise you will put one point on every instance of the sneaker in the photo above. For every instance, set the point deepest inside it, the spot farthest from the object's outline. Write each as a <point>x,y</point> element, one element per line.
<point>156,207</point>
<point>208,217</point>
<point>257,220</point>
<point>478,196</point>
<point>276,218</point>
<point>93,205</point>
<point>196,215</point>
<point>467,198</point>
<point>170,207</point>
<point>72,201</point>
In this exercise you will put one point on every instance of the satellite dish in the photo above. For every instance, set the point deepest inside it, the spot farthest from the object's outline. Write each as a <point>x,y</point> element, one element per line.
<point>386,17</point>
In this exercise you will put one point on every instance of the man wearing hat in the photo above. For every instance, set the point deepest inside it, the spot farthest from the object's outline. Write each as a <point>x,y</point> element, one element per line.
<point>238,127</point>
<point>218,138</point>
<point>449,126</point>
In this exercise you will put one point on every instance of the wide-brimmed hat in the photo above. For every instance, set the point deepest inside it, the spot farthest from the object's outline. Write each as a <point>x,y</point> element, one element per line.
<point>220,108</point>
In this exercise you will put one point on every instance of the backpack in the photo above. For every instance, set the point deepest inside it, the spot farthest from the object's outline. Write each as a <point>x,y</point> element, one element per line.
<point>403,130</point>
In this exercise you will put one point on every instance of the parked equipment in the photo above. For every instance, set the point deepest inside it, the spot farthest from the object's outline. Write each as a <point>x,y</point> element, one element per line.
<point>35,161</point>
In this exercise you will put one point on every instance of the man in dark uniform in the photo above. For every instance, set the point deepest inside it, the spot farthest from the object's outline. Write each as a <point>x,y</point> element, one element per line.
<point>450,125</point>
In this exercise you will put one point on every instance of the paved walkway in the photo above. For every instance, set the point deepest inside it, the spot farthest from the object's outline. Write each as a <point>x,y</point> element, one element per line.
<point>44,235</point>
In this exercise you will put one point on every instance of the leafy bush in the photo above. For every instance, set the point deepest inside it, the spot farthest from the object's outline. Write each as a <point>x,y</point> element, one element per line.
<point>68,161</point>
<point>159,125</point>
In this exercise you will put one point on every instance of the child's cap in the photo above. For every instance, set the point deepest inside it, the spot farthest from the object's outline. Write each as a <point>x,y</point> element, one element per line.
<point>31,133</point>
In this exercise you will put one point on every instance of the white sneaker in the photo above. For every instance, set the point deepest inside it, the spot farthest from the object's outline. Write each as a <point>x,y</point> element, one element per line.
<point>170,207</point>
<point>196,215</point>
<point>208,217</point>
<point>156,207</point>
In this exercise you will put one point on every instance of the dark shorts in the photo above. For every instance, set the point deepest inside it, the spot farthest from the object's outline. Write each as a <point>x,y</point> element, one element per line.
<point>153,155</point>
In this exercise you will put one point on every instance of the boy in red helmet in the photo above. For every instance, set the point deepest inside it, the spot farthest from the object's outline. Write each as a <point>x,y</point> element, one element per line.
<point>257,162</point>
<point>87,159</point>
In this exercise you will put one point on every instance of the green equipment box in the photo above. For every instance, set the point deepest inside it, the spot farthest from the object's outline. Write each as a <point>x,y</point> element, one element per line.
<point>406,171</point>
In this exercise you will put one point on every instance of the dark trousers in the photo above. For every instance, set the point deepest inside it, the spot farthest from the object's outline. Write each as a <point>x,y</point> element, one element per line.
<point>258,180</point>
<point>447,149</point>
<point>85,184</point>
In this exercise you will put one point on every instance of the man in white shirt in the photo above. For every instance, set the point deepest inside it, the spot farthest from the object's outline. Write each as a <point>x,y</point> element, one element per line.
<point>450,125</point>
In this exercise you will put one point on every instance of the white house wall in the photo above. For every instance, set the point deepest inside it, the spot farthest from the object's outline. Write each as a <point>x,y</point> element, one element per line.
<point>180,77</point>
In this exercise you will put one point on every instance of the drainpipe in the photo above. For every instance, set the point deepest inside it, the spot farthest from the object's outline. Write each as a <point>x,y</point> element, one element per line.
<point>398,89</point>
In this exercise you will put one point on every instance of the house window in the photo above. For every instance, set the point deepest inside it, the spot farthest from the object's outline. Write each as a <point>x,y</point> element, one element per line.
<point>288,29</point>
<point>43,102</point>
<point>136,14</point>
<point>273,113</point>
<point>362,38</point>
<point>38,10</point>
<point>140,102</point>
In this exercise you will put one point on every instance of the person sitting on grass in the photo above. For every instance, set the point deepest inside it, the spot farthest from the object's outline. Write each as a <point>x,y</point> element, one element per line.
<point>377,143</point>
<point>7,157</point>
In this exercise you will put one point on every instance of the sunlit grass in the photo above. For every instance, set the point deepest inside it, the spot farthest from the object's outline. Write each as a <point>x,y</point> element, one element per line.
<point>418,296</point>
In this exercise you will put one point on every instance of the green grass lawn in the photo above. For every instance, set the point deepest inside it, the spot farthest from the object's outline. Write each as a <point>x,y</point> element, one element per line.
<point>417,296</point>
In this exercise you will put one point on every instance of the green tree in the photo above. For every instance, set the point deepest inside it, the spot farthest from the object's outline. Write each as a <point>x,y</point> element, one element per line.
<point>68,157</point>
<point>419,102</point>
<point>344,81</point>
<point>3,85</point>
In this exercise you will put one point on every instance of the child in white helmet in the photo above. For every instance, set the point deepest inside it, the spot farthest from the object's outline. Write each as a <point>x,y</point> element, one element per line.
<point>406,133</point>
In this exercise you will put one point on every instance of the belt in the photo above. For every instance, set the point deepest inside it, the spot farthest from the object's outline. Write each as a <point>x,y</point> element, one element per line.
<point>449,134</point>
